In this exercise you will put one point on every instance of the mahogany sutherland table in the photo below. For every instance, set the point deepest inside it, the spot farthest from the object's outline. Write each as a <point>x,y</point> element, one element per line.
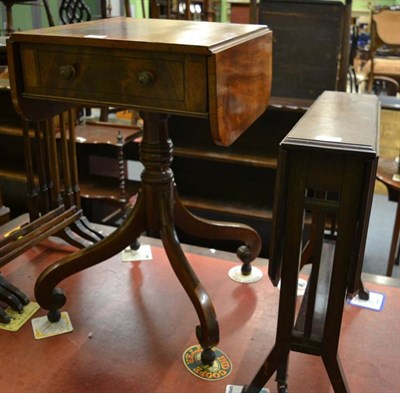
<point>217,71</point>
<point>327,166</point>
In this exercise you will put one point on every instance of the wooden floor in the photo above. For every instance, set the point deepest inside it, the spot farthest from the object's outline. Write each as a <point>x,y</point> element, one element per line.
<point>140,322</point>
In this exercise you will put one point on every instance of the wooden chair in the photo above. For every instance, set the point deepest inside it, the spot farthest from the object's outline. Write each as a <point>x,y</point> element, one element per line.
<point>384,54</point>
<point>105,9</point>
<point>76,11</point>
<point>10,3</point>
<point>381,86</point>
<point>182,9</point>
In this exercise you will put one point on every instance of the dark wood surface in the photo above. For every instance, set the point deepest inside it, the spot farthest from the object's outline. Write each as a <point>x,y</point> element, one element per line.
<point>134,333</point>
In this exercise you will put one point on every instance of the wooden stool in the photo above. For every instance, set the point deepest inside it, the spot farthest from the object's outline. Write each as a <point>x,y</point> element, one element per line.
<point>327,165</point>
<point>387,169</point>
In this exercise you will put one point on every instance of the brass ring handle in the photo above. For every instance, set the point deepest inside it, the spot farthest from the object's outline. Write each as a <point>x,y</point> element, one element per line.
<point>145,78</point>
<point>66,72</point>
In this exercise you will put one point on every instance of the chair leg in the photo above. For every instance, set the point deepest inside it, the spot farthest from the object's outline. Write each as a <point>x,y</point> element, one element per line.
<point>48,13</point>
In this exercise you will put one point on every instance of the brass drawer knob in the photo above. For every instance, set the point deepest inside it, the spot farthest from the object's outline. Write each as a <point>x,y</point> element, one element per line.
<point>66,71</point>
<point>145,78</point>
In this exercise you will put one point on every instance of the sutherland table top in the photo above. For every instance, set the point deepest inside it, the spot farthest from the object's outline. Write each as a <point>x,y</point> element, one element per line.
<point>216,70</point>
<point>339,121</point>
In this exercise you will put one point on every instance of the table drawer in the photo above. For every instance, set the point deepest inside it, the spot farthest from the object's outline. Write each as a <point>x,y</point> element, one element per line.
<point>140,79</point>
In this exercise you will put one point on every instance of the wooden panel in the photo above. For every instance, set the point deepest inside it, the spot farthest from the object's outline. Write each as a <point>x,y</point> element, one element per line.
<point>240,13</point>
<point>243,76</point>
<point>307,45</point>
